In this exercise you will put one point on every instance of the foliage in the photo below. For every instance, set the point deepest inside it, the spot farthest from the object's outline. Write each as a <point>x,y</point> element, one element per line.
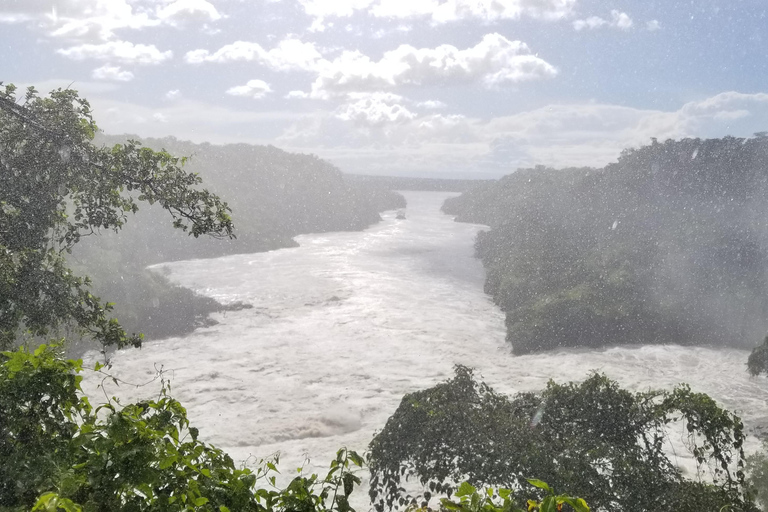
<point>757,362</point>
<point>665,245</point>
<point>56,187</point>
<point>592,439</point>
<point>274,195</point>
<point>500,500</point>
<point>141,457</point>
<point>757,469</point>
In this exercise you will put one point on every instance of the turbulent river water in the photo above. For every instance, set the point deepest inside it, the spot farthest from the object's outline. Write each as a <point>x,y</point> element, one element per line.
<point>346,324</point>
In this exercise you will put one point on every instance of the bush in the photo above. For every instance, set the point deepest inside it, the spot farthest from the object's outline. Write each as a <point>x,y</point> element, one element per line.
<point>138,457</point>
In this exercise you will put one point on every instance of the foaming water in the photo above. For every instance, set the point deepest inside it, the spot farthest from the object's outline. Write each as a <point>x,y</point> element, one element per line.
<point>346,324</point>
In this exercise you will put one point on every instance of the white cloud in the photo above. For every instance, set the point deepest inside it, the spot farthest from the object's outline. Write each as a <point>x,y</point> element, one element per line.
<point>255,89</point>
<point>173,94</point>
<point>11,18</point>
<point>591,22</point>
<point>431,104</point>
<point>188,10</point>
<point>652,25</point>
<point>493,61</point>
<point>121,51</point>
<point>384,32</point>
<point>440,11</point>
<point>587,134</point>
<point>375,109</point>
<point>96,19</point>
<point>725,106</point>
<point>115,73</point>
<point>99,20</point>
<point>620,20</point>
<point>297,94</point>
<point>289,54</point>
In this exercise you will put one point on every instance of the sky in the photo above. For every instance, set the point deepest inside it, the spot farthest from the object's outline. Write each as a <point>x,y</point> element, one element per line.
<point>436,88</point>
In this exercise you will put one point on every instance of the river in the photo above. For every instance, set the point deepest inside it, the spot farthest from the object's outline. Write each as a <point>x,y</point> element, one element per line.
<point>346,324</point>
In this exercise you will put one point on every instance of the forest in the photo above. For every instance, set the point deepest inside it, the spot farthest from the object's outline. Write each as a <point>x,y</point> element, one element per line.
<point>472,448</point>
<point>667,245</point>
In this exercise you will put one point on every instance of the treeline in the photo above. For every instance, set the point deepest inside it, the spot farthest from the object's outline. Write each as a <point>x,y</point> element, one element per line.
<point>667,245</point>
<point>274,195</point>
<point>427,184</point>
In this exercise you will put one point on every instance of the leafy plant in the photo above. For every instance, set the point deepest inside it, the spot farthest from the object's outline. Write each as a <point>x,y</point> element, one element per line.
<point>500,500</point>
<point>61,453</point>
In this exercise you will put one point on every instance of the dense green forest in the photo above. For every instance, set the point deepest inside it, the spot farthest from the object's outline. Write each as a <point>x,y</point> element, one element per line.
<point>274,195</point>
<point>667,245</point>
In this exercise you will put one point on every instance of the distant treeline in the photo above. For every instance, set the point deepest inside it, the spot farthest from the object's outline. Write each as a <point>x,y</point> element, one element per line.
<point>404,183</point>
<point>274,196</point>
<point>667,245</point>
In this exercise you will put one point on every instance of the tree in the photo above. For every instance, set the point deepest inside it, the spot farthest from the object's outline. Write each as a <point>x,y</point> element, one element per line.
<point>56,186</point>
<point>757,362</point>
<point>592,439</point>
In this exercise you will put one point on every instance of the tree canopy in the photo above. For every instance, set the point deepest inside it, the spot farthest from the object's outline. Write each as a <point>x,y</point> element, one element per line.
<point>592,439</point>
<point>56,187</point>
<point>666,245</point>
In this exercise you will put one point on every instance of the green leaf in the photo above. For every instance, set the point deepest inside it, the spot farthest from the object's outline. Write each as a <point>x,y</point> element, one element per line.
<point>168,462</point>
<point>540,484</point>
<point>577,504</point>
<point>356,459</point>
<point>450,505</point>
<point>549,504</point>
<point>465,489</point>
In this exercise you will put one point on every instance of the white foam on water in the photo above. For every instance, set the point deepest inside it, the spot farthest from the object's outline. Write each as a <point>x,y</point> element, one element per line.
<point>346,324</point>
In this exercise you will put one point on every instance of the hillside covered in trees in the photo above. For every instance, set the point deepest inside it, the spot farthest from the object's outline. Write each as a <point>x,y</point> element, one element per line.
<point>274,195</point>
<point>667,245</point>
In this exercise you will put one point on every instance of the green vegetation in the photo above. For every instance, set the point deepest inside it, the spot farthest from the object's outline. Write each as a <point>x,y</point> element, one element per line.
<point>59,452</point>
<point>667,245</point>
<point>592,439</point>
<point>138,457</point>
<point>70,456</point>
<point>502,500</point>
<point>56,177</point>
<point>56,188</point>
<point>757,469</point>
<point>757,362</point>
<point>274,196</point>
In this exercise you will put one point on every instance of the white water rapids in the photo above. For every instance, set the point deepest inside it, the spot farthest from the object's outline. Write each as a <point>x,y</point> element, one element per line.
<point>346,324</point>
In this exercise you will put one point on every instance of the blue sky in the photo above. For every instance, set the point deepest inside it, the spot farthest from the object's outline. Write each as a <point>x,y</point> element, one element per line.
<point>422,87</point>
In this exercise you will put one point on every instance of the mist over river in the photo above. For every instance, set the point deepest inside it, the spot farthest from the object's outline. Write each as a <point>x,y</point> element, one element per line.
<point>346,324</point>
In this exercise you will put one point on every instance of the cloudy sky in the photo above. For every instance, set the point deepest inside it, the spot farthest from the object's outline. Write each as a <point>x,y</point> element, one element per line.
<point>454,88</point>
